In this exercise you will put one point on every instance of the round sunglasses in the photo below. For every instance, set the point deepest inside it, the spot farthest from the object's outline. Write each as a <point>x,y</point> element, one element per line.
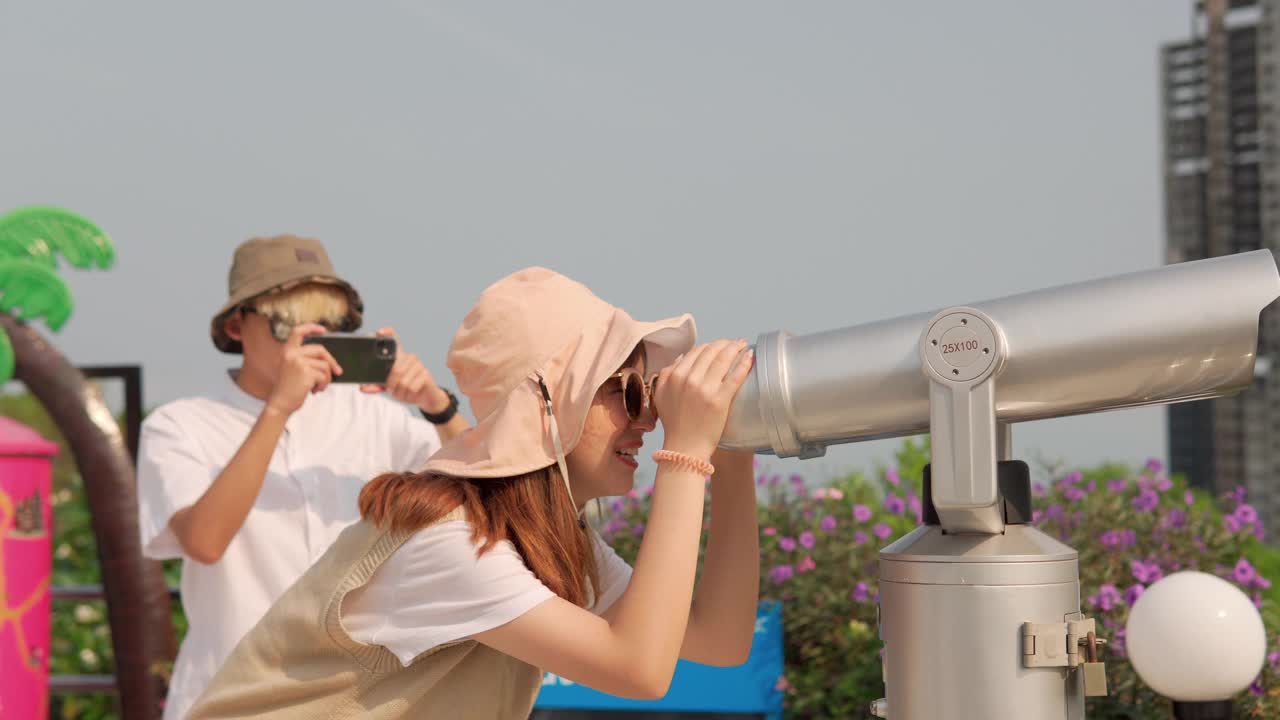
<point>637,393</point>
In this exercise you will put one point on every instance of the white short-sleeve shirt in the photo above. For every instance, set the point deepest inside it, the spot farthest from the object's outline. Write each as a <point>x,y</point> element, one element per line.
<point>434,590</point>
<point>339,440</point>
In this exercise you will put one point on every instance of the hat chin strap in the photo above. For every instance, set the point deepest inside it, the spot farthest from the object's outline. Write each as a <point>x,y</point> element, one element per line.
<point>555,439</point>
<point>564,473</point>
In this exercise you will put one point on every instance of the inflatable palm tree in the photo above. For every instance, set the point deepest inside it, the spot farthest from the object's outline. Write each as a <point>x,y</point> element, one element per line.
<point>32,240</point>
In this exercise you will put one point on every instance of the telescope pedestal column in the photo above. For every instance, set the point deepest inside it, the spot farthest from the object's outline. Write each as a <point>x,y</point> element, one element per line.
<point>952,615</point>
<point>952,612</point>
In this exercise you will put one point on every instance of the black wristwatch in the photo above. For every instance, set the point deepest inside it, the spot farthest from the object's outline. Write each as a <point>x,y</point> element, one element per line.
<point>444,415</point>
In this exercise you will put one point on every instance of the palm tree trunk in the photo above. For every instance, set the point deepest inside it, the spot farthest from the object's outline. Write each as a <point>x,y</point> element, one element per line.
<point>136,592</point>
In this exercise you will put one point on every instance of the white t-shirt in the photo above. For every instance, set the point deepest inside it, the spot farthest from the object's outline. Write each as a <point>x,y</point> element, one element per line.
<point>340,439</point>
<point>434,590</point>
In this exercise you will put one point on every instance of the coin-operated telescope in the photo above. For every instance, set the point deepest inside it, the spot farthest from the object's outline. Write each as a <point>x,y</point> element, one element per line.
<point>979,611</point>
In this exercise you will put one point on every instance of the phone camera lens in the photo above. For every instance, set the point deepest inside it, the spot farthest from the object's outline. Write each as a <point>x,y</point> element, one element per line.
<point>384,349</point>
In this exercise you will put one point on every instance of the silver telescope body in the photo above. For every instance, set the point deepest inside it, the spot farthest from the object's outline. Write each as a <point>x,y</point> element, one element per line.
<point>1179,332</point>
<point>979,610</point>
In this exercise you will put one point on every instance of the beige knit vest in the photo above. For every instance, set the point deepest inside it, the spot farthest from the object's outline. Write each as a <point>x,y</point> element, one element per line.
<point>299,663</point>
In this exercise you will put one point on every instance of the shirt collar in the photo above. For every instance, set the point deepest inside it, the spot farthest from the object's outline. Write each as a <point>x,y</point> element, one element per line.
<point>235,396</point>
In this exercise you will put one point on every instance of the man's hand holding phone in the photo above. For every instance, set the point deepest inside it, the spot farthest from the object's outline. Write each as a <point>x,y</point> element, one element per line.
<point>304,369</point>
<point>410,381</point>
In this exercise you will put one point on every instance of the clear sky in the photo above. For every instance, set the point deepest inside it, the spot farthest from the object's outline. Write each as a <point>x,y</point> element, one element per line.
<point>798,166</point>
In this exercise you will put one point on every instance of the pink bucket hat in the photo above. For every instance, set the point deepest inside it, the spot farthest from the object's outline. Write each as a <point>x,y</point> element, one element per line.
<point>537,330</point>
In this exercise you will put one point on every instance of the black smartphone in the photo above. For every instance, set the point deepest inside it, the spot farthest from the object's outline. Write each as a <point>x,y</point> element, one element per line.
<point>364,359</point>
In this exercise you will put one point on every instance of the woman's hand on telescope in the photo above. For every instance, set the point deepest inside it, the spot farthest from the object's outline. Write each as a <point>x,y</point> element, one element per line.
<point>695,394</point>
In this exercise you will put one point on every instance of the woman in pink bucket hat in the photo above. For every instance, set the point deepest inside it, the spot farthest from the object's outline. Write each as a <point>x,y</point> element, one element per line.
<point>465,581</point>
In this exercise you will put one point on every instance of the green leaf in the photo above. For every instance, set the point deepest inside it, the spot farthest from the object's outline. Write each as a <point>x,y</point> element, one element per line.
<point>6,358</point>
<point>32,291</point>
<point>40,233</point>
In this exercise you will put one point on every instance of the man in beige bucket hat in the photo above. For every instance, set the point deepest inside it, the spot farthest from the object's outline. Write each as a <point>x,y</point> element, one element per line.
<point>252,483</point>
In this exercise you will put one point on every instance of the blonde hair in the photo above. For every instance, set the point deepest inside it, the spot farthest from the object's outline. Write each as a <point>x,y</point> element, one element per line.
<point>309,302</point>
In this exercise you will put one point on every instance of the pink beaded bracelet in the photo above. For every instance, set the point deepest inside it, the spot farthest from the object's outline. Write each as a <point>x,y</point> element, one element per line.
<point>688,462</point>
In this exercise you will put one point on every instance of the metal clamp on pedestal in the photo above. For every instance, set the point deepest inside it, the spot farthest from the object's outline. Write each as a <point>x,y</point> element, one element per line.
<point>1071,644</point>
<point>962,351</point>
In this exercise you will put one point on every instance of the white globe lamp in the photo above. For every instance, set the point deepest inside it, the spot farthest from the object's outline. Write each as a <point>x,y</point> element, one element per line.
<point>1198,640</point>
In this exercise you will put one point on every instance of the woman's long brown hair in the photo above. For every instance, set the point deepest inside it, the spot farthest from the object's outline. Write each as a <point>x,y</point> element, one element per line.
<point>533,511</point>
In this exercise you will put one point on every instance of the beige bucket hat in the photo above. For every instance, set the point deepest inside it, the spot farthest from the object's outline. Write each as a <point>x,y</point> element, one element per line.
<point>264,265</point>
<point>534,331</point>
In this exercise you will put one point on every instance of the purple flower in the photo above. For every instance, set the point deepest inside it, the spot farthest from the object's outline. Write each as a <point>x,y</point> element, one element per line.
<point>780,574</point>
<point>806,539</point>
<point>1072,478</point>
<point>1154,465</point>
<point>774,479</point>
<point>892,476</point>
<point>861,513</point>
<point>827,524</point>
<point>1273,658</point>
<point>1117,645</point>
<point>1074,494</point>
<point>1038,489</point>
<point>1255,689</point>
<point>638,530</point>
<point>1110,539</point>
<point>917,509</point>
<point>761,480</point>
<point>1246,514</point>
<point>1108,597</point>
<point>1092,486</point>
<point>806,564</point>
<point>1262,583</point>
<point>1133,593</point>
<point>882,531</point>
<point>616,506</point>
<point>1146,572</point>
<point>1118,485</point>
<point>1231,524</point>
<point>1244,573</point>
<point>770,531</point>
<point>1036,515</point>
<point>1189,498</point>
<point>860,592</point>
<point>1146,501</point>
<point>787,544</point>
<point>1175,518</point>
<point>1163,483</point>
<point>894,504</point>
<point>1238,494</point>
<point>1055,512</point>
<point>797,479</point>
<point>860,538</point>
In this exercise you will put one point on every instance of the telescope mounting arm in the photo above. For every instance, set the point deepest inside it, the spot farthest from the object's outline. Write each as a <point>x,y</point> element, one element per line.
<point>962,352</point>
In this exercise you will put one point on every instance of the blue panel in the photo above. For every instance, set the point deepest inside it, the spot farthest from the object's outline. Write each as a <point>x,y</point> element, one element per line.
<point>747,688</point>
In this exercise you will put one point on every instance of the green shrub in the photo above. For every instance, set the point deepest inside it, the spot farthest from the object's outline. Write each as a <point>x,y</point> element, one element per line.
<point>820,552</point>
